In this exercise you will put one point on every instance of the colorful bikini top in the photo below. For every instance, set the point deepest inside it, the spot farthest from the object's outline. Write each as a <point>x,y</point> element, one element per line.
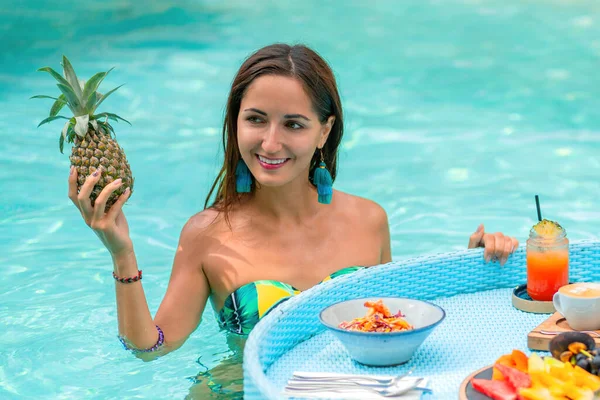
<point>248,304</point>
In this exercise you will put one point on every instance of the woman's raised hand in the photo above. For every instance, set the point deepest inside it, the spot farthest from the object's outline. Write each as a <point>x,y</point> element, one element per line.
<point>111,227</point>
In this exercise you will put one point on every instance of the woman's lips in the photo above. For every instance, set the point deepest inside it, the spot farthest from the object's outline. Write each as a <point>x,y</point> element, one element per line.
<point>271,163</point>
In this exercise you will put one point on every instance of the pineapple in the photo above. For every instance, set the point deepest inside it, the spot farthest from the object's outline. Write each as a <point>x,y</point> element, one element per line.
<point>547,228</point>
<point>90,133</point>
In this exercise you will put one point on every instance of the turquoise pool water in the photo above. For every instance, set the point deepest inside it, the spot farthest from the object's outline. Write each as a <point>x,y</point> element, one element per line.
<point>458,112</point>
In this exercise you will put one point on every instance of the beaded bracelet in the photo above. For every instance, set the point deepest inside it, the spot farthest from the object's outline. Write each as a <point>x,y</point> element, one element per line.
<point>159,343</point>
<point>129,280</point>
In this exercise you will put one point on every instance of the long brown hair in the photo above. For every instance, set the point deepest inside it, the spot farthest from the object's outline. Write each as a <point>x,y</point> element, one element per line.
<point>317,78</point>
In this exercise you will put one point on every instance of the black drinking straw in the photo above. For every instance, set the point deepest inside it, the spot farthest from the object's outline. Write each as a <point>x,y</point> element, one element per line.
<point>537,204</point>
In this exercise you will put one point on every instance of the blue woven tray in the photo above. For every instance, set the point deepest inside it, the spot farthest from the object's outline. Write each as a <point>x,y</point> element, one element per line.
<point>481,323</point>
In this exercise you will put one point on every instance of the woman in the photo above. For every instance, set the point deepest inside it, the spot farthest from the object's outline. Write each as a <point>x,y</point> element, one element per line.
<point>247,250</point>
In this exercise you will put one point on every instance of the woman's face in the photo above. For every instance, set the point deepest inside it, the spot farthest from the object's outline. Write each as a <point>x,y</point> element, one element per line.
<point>278,130</point>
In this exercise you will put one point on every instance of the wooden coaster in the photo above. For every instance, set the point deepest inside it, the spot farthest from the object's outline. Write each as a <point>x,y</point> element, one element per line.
<point>522,301</point>
<point>556,323</point>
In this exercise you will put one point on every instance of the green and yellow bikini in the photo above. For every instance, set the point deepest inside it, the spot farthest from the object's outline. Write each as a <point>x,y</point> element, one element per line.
<point>248,304</point>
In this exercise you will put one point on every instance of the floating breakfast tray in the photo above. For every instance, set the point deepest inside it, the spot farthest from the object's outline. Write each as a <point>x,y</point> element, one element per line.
<point>556,323</point>
<point>473,293</point>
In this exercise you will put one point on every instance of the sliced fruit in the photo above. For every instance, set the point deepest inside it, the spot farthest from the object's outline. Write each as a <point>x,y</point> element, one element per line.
<point>552,383</point>
<point>539,393</point>
<point>535,364</point>
<point>497,375</point>
<point>516,378</point>
<point>565,373</point>
<point>507,360</point>
<point>578,393</point>
<point>552,362</point>
<point>520,360</point>
<point>584,379</point>
<point>497,390</point>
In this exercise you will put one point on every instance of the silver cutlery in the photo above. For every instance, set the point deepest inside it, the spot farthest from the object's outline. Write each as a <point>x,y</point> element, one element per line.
<point>385,391</point>
<point>300,383</point>
<point>334,377</point>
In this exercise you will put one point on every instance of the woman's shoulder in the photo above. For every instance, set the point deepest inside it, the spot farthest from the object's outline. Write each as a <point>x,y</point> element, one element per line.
<point>365,210</point>
<point>202,234</point>
<point>206,223</point>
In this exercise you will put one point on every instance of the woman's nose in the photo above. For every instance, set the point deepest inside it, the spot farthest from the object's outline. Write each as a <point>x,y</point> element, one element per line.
<point>271,141</point>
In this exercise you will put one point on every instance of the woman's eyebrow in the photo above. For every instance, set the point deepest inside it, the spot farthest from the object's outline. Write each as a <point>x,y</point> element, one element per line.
<point>289,116</point>
<point>256,110</point>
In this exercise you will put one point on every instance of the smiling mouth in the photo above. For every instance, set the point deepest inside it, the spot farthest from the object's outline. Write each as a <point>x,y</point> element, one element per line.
<point>271,161</point>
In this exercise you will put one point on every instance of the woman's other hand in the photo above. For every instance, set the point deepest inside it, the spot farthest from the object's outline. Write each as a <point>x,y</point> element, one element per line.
<point>497,245</point>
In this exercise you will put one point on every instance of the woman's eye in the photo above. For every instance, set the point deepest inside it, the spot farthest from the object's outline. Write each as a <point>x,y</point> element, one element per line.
<point>294,125</point>
<point>255,119</point>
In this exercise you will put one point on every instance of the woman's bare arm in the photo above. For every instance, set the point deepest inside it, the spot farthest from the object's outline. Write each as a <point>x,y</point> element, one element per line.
<point>188,290</point>
<point>182,307</point>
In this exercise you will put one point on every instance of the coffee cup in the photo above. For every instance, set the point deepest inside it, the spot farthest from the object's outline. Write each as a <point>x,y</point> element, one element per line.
<point>579,303</point>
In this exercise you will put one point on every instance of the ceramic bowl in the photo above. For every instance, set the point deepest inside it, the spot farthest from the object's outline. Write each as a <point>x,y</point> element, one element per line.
<point>383,348</point>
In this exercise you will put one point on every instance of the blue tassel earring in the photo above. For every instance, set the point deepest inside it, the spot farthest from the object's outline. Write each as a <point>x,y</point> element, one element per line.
<point>243,177</point>
<point>322,178</point>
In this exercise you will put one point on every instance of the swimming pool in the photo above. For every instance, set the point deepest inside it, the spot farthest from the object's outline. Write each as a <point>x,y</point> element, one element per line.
<point>457,113</point>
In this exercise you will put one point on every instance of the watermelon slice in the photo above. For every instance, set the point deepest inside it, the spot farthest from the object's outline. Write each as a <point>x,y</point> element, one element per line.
<point>515,377</point>
<point>497,390</point>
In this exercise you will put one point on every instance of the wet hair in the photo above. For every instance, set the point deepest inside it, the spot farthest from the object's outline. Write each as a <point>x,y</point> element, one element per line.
<point>314,73</point>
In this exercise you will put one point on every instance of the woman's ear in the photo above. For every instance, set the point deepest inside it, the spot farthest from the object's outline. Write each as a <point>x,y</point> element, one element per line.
<point>325,130</point>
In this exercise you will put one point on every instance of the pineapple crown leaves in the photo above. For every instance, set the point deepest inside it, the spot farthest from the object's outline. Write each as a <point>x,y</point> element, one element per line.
<point>82,98</point>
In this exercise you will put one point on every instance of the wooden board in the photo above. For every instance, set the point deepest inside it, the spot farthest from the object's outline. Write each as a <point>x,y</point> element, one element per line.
<point>466,391</point>
<point>556,323</point>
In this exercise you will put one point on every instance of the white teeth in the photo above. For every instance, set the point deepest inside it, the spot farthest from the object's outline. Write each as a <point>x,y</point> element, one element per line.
<point>272,162</point>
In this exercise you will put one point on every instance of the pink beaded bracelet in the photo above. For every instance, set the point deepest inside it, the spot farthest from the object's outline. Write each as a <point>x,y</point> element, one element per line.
<point>159,343</point>
<point>129,280</point>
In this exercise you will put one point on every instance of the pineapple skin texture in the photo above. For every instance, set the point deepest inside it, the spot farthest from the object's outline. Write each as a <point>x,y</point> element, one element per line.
<point>547,228</point>
<point>96,150</point>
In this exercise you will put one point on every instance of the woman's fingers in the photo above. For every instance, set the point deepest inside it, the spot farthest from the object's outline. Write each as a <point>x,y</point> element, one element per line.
<point>489,243</point>
<point>85,205</point>
<point>73,186</point>
<point>496,246</point>
<point>499,246</point>
<point>100,203</point>
<point>504,246</point>
<point>115,209</point>
<point>476,238</point>
<point>508,248</point>
<point>515,244</point>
